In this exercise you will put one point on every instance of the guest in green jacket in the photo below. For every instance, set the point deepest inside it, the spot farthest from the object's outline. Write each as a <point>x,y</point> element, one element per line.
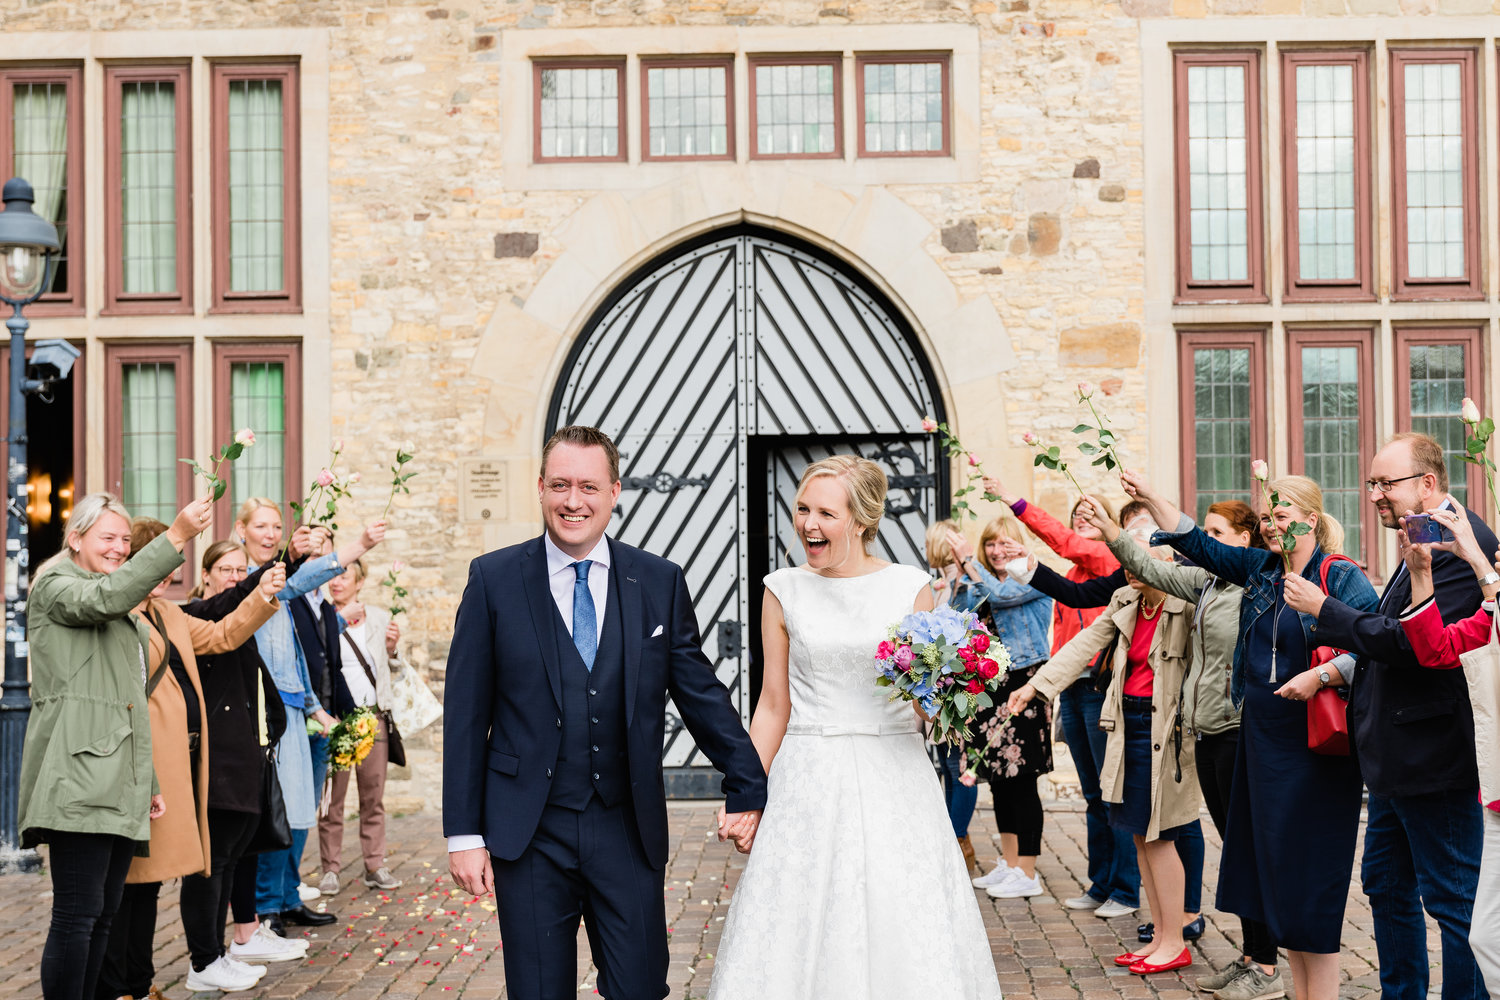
<point>87,785</point>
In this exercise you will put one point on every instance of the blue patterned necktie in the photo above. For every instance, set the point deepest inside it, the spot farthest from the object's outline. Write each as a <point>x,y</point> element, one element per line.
<point>585,626</point>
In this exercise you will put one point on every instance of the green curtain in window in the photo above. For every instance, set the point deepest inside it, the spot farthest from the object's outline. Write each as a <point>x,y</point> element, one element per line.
<point>40,115</point>
<point>148,449</point>
<point>148,187</point>
<point>257,399</point>
<point>256,178</point>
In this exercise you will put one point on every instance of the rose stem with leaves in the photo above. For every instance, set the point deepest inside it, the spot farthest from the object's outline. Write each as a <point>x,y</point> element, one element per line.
<point>404,454</point>
<point>952,447</point>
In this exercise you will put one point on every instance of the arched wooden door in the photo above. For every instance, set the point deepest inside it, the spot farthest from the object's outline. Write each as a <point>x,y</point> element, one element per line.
<point>721,369</point>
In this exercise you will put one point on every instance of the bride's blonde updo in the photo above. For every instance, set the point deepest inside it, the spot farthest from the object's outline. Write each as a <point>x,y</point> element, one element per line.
<point>865,484</point>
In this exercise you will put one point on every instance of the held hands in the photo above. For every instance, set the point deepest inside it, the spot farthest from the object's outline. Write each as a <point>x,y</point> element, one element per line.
<point>1464,544</point>
<point>471,870</point>
<point>190,521</point>
<point>392,637</point>
<point>158,807</point>
<point>272,581</point>
<point>1303,595</point>
<point>739,827</point>
<point>1020,698</point>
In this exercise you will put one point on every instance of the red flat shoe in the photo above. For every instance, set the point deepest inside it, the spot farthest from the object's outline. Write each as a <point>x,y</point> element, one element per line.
<point>1128,959</point>
<point>1145,968</point>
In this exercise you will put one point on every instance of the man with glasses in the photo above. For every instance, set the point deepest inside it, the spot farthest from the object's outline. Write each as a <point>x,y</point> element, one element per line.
<point>1412,729</point>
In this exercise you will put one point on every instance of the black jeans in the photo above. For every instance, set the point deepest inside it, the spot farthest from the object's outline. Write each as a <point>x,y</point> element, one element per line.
<point>205,899</point>
<point>242,889</point>
<point>1018,810</point>
<point>88,875</point>
<point>1215,763</point>
<point>128,967</point>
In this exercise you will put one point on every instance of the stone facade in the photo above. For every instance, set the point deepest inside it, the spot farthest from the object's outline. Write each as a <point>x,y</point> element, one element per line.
<point>457,279</point>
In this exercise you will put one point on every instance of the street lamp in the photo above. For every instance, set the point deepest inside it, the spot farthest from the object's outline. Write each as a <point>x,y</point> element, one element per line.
<point>28,251</point>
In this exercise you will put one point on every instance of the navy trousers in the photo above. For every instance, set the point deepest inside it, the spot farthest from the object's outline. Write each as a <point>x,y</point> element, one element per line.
<point>586,865</point>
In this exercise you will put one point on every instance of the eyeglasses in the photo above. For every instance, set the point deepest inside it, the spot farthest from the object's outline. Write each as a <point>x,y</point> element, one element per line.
<point>1384,485</point>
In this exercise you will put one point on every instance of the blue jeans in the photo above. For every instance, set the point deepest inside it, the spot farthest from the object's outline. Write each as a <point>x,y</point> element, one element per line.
<point>1190,849</point>
<point>1113,872</point>
<point>1423,850</point>
<point>277,875</point>
<point>318,745</point>
<point>959,797</point>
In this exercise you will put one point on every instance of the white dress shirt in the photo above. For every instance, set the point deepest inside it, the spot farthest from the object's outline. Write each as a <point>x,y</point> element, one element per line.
<point>562,578</point>
<point>361,689</point>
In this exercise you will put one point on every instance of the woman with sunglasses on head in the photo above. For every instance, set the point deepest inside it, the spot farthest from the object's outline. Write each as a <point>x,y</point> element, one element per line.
<point>1293,814</point>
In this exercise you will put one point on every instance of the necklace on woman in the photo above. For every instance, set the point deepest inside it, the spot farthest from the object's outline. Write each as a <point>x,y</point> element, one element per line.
<point>1149,611</point>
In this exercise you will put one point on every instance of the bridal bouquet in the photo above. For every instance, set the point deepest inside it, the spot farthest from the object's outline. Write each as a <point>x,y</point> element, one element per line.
<point>349,743</point>
<point>945,662</point>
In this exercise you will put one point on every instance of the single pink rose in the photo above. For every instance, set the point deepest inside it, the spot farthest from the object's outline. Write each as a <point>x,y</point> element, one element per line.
<point>885,650</point>
<point>325,477</point>
<point>1469,412</point>
<point>973,459</point>
<point>929,425</point>
<point>1030,438</point>
<point>1260,470</point>
<point>338,444</point>
<point>353,478</point>
<point>397,566</point>
<point>244,437</point>
<point>1085,390</point>
<point>968,779</point>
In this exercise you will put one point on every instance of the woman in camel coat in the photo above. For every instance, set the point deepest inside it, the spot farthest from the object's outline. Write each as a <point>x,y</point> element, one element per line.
<point>179,754</point>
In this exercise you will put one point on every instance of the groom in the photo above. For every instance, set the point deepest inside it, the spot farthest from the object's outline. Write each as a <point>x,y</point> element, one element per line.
<point>564,652</point>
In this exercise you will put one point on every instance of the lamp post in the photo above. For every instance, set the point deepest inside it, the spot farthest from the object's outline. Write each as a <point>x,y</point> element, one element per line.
<point>28,250</point>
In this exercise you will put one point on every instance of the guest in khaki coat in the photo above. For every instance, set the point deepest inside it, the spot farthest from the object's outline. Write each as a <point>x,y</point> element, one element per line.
<point>179,753</point>
<point>1148,777</point>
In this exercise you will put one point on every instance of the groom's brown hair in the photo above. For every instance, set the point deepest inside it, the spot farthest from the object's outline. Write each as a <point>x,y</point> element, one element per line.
<point>587,437</point>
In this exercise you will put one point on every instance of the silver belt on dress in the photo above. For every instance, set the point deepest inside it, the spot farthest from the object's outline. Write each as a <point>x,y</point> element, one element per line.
<point>855,729</point>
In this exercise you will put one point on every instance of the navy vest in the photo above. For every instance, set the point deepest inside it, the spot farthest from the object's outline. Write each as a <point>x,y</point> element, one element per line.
<point>592,758</point>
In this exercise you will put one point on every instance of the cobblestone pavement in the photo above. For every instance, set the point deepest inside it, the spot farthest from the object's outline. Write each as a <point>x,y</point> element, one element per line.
<point>428,940</point>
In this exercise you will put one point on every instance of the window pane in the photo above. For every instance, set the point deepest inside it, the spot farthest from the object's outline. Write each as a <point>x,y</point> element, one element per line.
<point>794,111</point>
<point>40,144</point>
<point>903,107</point>
<point>687,107</point>
<point>148,449</point>
<point>580,112</point>
<point>1221,427</point>
<point>1438,386</point>
<point>148,186</point>
<point>256,179</point>
<point>1330,435</point>
<point>1434,143</point>
<point>257,399</point>
<point>1325,173</point>
<point>1217,162</point>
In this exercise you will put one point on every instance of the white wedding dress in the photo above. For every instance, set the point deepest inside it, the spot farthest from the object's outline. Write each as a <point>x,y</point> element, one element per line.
<point>855,887</point>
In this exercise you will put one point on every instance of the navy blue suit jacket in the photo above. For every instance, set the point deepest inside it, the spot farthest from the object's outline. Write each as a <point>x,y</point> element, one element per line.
<point>319,638</point>
<point>502,717</point>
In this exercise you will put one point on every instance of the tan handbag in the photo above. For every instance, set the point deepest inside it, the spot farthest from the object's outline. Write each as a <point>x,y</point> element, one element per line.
<point>1482,670</point>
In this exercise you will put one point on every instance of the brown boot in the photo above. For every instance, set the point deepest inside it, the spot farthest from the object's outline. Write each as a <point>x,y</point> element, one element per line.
<point>967,846</point>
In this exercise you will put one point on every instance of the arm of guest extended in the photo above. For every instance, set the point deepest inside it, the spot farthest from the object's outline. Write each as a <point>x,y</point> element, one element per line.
<point>1093,593</point>
<point>1093,557</point>
<point>1439,646</point>
<point>1186,582</point>
<point>1227,562</point>
<point>1069,663</point>
<point>1007,593</point>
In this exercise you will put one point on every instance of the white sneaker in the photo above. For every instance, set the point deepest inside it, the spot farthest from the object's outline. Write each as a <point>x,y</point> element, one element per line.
<point>1017,887</point>
<point>1084,902</point>
<point>308,893</point>
<point>218,976</point>
<point>1002,872</point>
<point>1113,908</point>
<point>264,946</point>
<point>245,970</point>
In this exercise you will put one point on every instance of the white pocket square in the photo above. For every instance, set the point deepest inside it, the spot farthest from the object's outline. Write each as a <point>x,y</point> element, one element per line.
<point>657,632</point>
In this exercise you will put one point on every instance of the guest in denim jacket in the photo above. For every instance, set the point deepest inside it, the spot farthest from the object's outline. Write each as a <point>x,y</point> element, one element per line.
<point>1019,750</point>
<point>1293,814</point>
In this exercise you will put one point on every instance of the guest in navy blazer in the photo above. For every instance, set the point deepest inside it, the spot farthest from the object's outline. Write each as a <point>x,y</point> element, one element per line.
<point>565,651</point>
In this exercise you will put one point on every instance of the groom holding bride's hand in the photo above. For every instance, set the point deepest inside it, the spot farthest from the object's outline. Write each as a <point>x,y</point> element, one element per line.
<point>564,653</point>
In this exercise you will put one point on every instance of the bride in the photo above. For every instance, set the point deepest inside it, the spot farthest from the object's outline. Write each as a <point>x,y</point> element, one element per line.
<point>855,886</point>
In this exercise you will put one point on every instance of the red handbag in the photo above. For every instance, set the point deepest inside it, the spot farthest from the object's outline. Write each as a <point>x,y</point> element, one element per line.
<point>1327,713</point>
